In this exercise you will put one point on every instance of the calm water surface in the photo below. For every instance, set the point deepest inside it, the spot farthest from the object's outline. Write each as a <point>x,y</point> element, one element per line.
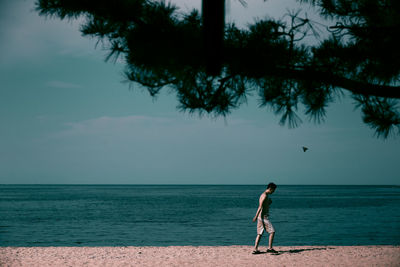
<point>164,215</point>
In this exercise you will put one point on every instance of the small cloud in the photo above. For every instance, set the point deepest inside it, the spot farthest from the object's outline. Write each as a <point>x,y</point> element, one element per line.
<point>114,125</point>
<point>107,122</point>
<point>42,118</point>
<point>63,85</point>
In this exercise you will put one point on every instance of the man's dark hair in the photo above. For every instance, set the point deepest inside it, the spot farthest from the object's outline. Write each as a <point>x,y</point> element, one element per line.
<point>271,185</point>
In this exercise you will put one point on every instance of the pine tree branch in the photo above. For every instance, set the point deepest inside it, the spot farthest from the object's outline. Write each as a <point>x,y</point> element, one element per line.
<point>356,87</point>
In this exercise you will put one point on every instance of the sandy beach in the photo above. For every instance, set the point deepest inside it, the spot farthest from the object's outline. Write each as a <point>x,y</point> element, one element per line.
<point>200,256</point>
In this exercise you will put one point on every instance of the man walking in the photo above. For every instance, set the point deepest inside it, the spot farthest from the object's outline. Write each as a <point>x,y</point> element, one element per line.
<point>263,223</point>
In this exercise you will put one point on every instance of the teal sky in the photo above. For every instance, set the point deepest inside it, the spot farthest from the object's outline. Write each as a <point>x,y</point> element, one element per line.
<point>66,116</point>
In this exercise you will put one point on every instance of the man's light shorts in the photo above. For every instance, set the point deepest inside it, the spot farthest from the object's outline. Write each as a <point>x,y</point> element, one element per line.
<point>263,223</point>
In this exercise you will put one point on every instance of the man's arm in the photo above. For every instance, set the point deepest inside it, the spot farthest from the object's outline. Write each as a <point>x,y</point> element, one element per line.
<point>262,198</point>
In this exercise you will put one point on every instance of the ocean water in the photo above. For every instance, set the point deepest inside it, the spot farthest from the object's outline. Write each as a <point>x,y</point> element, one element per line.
<point>213,215</point>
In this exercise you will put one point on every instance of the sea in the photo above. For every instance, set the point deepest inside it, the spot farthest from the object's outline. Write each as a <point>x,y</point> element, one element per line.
<point>197,215</point>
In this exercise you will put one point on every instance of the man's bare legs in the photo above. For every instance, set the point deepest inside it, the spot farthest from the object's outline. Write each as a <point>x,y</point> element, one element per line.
<point>271,240</point>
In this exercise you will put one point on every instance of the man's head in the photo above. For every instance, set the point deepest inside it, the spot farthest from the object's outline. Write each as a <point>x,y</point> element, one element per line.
<point>271,187</point>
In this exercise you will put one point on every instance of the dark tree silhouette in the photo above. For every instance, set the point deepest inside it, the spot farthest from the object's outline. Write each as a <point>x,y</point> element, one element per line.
<point>165,48</point>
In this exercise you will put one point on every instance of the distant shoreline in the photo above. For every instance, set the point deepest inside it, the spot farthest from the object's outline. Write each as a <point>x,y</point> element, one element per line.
<point>200,256</point>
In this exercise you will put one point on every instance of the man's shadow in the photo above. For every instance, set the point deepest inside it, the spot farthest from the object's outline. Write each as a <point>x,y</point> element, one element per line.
<point>296,250</point>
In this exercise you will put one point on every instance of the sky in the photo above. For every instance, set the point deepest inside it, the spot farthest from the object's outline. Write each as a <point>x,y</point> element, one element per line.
<point>68,117</point>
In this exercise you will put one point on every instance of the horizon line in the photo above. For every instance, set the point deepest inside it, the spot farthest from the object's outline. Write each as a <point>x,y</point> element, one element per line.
<point>172,184</point>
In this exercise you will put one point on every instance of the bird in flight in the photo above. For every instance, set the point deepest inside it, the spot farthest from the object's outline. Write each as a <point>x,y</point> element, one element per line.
<point>305,148</point>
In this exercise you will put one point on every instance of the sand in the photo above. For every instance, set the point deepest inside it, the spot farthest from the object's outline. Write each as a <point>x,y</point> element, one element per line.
<point>200,256</point>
